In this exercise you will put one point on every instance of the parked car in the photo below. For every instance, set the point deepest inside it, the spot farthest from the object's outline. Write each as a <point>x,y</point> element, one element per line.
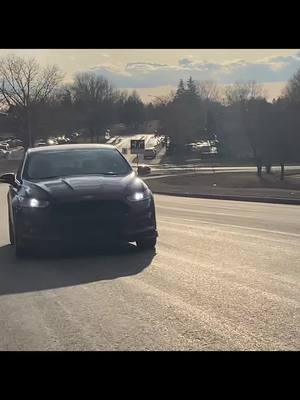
<point>51,141</point>
<point>191,147</point>
<point>16,153</point>
<point>4,150</point>
<point>63,139</point>
<point>15,142</point>
<point>4,146</point>
<point>77,193</point>
<point>40,143</point>
<point>150,153</point>
<point>74,137</point>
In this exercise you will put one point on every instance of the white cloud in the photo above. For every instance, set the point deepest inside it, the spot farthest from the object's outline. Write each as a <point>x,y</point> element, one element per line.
<point>149,74</point>
<point>109,68</point>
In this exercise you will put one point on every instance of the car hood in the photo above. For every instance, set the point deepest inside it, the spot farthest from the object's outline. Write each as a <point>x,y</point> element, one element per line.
<point>87,187</point>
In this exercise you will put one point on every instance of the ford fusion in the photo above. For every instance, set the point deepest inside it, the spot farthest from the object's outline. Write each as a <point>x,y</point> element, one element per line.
<point>72,193</point>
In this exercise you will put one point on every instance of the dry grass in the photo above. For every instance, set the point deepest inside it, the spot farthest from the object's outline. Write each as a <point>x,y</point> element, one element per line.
<point>231,183</point>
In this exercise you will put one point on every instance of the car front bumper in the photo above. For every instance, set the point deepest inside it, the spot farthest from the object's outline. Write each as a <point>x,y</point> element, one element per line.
<point>41,225</point>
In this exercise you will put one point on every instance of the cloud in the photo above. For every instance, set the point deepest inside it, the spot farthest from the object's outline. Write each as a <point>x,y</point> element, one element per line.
<point>145,65</point>
<point>185,61</point>
<point>149,74</point>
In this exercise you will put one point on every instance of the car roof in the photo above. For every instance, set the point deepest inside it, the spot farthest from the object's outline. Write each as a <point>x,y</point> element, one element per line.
<point>62,147</point>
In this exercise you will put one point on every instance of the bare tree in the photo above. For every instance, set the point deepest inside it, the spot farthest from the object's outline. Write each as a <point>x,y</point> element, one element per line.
<point>94,98</point>
<point>208,90</point>
<point>247,99</point>
<point>23,84</point>
<point>133,111</point>
<point>242,91</point>
<point>89,87</point>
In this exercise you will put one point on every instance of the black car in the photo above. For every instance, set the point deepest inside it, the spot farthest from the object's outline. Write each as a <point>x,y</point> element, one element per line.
<point>78,192</point>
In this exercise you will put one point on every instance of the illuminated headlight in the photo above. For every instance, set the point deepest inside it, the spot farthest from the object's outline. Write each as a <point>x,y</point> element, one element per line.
<point>32,202</point>
<point>138,196</point>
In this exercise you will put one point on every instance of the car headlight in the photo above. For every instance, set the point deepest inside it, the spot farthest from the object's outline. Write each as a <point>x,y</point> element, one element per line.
<point>32,202</point>
<point>140,195</point>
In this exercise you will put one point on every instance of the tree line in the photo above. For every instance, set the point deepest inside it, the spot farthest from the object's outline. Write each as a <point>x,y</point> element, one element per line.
<point>39,104</point>
<point>245,123</point>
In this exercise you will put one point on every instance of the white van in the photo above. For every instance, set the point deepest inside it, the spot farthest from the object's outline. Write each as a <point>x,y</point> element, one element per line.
<point>150,153</point>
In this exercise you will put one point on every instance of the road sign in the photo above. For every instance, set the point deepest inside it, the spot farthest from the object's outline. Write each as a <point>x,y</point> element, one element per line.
<point>137,146</point>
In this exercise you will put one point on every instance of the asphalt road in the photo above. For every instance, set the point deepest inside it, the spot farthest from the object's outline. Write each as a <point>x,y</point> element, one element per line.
<point>225,276</point>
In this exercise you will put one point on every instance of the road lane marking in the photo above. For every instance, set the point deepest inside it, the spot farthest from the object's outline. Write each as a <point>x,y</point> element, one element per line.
<point>222,204</point>
<point>207,212</point>
<point>228,225</point>
<point>219,203</point>
<point>217,212</point>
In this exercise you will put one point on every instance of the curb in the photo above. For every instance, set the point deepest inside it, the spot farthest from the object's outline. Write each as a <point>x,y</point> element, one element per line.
<point>273,200</point>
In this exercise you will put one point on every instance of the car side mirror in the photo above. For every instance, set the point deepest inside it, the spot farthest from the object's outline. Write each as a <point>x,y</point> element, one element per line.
<point>143,170</point>
<point>10,179</point>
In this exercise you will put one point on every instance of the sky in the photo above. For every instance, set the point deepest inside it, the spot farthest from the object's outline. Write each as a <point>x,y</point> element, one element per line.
<point>155,72</point>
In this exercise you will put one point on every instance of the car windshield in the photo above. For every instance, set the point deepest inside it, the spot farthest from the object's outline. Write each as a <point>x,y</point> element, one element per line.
<point>50,164</point>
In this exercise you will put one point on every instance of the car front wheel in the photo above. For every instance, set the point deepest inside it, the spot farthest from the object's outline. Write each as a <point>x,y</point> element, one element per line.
<point>21,250</point>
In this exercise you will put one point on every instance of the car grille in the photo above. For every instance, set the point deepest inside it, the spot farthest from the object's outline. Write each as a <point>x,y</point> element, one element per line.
<point>105,215</point>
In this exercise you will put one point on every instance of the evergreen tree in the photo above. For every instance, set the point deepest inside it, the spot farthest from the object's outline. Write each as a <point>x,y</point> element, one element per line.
<point>191,88</point>
<point>133,110</point>
<point>180,90</point>
<point>185,119</point>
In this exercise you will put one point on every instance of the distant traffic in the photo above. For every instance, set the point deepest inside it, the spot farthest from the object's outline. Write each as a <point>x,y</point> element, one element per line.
<point>156,146</point>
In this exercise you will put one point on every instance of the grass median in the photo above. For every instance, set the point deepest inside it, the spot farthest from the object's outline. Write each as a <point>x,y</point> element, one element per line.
<point>230,184</point>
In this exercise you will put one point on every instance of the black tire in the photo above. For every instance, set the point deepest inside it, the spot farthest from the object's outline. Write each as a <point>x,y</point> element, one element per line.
<point>21,251</point>
<point>146,244</point>
<point>11,233</point>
